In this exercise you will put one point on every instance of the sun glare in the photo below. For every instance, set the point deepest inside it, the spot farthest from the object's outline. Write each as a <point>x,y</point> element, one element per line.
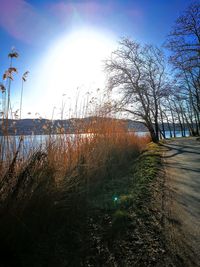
<point>74,61</point>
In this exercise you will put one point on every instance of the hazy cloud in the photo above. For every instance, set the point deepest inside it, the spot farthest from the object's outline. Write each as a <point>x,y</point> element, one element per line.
<point>22,21</point>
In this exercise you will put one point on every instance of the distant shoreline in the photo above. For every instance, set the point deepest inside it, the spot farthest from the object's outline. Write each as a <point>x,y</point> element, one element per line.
<point>69,126</point>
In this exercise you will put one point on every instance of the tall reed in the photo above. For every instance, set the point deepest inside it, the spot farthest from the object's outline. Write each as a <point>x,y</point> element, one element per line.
<point>47,192</point>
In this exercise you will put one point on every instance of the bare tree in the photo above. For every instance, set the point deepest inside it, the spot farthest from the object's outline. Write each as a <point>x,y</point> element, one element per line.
<point>138,72</point>
<point>156,83</point>
<point>184,39</point>
<point>184,42</point>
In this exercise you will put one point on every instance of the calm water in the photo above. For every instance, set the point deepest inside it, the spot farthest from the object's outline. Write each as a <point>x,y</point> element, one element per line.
<point>167,133</point>
<point>31,143</point>
<point>34,142</point>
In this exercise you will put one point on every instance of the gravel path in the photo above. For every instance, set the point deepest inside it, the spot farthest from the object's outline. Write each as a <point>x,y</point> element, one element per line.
<point>182,201</point>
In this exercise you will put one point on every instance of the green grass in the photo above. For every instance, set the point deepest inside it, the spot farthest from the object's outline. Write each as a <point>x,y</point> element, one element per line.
<point>120,205</point>
<point>129,185</point>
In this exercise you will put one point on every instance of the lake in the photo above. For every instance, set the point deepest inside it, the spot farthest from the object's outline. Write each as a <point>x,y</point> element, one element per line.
<point>34,142</point>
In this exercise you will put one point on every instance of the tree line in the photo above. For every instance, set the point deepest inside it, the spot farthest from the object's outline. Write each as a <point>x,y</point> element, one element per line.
<point>161,92</point>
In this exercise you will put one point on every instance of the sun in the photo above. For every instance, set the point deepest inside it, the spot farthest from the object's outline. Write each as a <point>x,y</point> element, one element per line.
<point>74,61</point>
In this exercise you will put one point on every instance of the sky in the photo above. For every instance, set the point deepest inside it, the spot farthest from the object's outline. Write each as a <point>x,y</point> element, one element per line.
<point>62,45</point>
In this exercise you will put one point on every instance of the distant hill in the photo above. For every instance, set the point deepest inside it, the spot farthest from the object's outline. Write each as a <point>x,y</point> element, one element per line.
<point>44,126</point>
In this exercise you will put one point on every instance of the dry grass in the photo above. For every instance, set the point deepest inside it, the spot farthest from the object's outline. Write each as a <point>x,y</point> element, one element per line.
<point>46,198</point>
<point>48,191</point>
<point>107,138</point>
<point>104,138</point>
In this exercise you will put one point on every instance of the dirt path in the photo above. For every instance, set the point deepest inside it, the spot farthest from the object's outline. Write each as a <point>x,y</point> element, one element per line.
<point>182,203</point>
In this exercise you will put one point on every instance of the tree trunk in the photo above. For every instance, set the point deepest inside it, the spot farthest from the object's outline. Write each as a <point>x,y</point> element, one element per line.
<point>168,124</point>
<point>173,120</point>
<point>162,123</point>
<point>154,136</point>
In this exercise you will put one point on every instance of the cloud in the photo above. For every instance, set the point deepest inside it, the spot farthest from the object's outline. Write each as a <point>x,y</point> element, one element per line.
<point>86,11</point>
<point>29,24</point>
<point>22,21</point>
<point>108,14</point>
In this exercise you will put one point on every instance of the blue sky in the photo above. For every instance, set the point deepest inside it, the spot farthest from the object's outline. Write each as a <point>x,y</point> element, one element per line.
<point>32,27</point>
